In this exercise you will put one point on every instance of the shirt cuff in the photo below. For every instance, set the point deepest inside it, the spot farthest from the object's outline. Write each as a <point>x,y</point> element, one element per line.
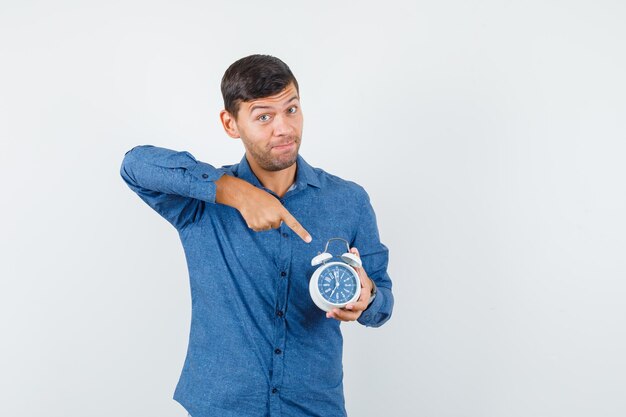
<point>367,316</point>
<point>203,180</point>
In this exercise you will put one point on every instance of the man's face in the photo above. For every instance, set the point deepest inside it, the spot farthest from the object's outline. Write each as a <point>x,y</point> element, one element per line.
<point>271,129</point>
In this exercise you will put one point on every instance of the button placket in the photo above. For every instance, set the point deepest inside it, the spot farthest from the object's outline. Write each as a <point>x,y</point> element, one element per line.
<point>283,261</point>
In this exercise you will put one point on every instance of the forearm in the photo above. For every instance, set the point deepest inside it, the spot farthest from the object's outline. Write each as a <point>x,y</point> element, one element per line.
<point>149,168</point>
<point>380,310</point>
<point>173,183</point>
<point>231,191</point>
<point>375,258</point>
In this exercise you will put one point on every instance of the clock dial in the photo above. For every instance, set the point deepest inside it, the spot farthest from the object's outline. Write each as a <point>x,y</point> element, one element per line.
<point>338,284</point>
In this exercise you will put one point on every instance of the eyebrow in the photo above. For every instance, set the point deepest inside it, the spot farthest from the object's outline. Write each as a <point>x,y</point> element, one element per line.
<point>256,106</point>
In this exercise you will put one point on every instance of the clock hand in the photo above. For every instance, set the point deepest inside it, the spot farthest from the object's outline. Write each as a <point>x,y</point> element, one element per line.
<point>333,291</point>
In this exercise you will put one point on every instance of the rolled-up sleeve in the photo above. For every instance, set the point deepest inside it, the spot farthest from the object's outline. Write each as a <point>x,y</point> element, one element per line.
<point>173,183</point>
<point>375,258</point>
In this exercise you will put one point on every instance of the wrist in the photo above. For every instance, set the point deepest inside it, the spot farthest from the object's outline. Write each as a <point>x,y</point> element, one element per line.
<point>230,191</point>
<point>373,292</point>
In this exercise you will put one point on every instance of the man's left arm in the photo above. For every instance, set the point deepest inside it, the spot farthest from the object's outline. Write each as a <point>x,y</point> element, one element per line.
<point>375,258</point>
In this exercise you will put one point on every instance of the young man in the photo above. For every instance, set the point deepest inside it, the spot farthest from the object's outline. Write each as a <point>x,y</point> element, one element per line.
<point>258,345</point>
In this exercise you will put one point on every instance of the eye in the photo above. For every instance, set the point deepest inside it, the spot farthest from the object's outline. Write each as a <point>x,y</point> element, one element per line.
<point>294,108</point>
<point>261,117</point>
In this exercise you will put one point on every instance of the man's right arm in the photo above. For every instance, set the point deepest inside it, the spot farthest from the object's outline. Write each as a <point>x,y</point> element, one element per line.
<point>177,186</point>
<point>173,183</point>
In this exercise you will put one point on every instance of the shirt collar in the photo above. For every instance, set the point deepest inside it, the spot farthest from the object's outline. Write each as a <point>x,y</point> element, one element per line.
<point>305,174</point>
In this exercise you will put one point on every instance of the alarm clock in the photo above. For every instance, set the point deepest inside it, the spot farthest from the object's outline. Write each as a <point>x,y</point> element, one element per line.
<point>335,284</point>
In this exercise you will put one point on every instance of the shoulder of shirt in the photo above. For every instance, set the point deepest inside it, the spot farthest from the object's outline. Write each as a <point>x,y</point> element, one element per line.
<point>341,184</point>
<point>229,168</point>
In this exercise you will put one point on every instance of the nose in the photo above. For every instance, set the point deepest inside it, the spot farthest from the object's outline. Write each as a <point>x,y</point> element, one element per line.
<point>282,126</point>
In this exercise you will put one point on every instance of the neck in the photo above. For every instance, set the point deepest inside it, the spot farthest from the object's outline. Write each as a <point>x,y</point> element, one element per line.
<point>277,181</point>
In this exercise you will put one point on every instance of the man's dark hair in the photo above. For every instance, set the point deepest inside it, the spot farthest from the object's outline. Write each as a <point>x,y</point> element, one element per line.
<point>253,77</point>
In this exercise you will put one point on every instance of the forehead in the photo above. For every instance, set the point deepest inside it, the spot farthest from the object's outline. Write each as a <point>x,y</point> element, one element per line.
<point>288,95</point>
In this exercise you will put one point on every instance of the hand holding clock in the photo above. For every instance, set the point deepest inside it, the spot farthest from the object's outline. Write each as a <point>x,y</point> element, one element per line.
<point>261,210</point>
<point>354,310</point>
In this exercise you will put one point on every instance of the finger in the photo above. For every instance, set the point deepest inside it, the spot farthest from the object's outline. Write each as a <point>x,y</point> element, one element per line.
<point>270,226</point>
<point>343,315</point>
<point>260,229</point>
<point>359,305</point>
<point>359,269</point>
<point>358,255</point>
<point>296,227</point>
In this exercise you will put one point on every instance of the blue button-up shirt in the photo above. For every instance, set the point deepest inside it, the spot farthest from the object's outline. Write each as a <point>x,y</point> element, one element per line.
<point>258,345</point>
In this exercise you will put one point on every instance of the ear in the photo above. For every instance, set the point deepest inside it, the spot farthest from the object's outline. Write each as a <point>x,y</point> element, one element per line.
<point>230,124</point>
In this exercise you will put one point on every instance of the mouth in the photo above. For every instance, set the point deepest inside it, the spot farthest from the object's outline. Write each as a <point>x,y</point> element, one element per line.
<point>285,146</point>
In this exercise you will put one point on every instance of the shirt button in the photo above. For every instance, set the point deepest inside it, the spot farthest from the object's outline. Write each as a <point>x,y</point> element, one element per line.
<point>282,274</point>
<point>277,351</point>
<point>285,235</point>
<point>205,176</point>
<point>280,313</point>
<point>274,390</point>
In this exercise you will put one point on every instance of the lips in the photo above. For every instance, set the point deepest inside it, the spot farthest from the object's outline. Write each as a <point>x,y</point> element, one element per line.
<point>284,146</point>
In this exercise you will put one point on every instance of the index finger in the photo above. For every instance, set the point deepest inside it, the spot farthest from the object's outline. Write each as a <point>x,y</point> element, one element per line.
<point>296,226</point>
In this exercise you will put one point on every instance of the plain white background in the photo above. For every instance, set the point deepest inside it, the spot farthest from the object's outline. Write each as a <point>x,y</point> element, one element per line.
<point>489,135</point>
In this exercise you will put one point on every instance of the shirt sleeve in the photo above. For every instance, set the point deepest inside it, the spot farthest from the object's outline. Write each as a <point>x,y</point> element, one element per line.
<point>173,183</point>
<point>375,258</point>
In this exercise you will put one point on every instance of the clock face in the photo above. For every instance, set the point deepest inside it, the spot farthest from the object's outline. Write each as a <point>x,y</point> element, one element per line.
<point>338,283</point>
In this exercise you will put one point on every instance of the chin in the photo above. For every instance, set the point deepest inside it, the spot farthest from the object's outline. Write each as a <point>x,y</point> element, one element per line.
<point>280,164</point>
